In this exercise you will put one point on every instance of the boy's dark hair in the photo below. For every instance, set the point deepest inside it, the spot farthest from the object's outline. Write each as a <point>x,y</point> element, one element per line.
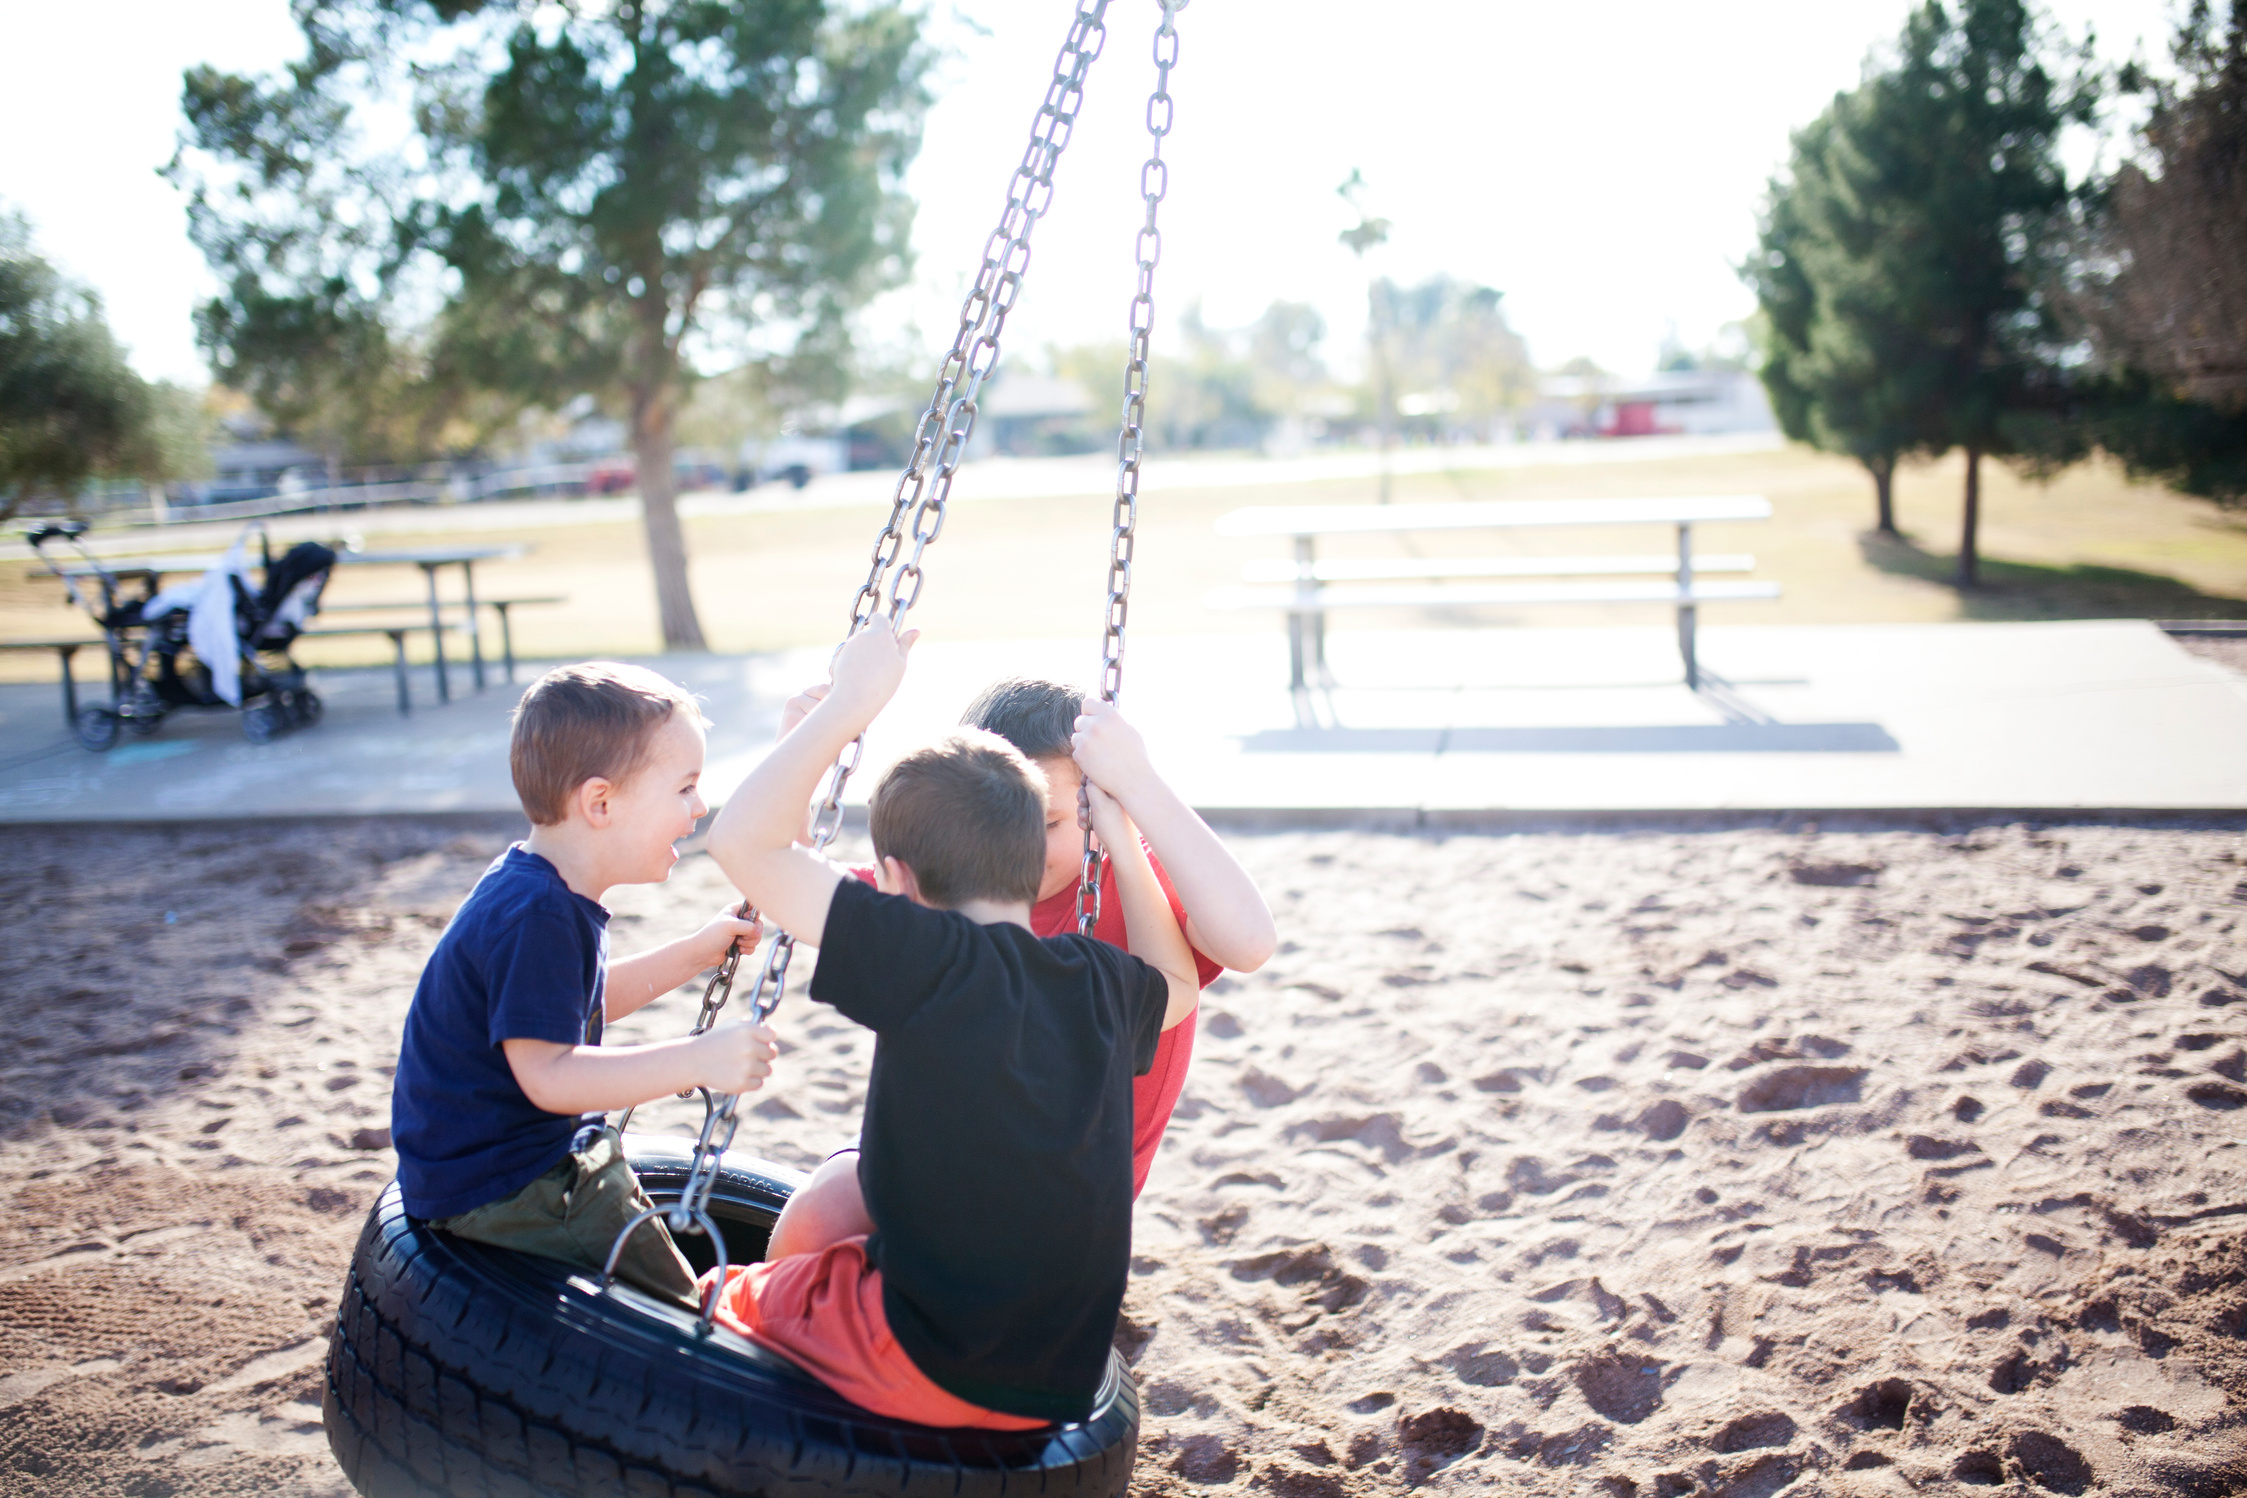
<point>967,816</point>
<point>1037,717</point>
<point>598,718</point>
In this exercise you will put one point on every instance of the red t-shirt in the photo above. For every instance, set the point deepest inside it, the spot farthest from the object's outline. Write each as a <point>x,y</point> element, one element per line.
<point>1155,1095</point>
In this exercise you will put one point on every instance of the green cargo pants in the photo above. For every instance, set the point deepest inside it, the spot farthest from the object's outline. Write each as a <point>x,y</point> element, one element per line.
<point>574,1212</point>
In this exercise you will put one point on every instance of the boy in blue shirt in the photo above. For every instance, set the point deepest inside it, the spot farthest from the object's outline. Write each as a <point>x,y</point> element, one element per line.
<point>502,1079</point>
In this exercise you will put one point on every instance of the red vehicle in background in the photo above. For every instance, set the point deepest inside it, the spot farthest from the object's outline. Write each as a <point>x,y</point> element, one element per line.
<point>620,474</point>
<point>617,475</point>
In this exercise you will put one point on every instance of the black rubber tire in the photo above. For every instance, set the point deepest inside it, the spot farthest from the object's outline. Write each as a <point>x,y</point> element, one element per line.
<point>305,707</point>
<point>457,1369</point>
<point>263,722</point>
<point>96,728</point>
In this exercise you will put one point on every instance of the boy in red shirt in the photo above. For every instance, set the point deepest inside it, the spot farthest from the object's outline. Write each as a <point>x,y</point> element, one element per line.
<point>996,1168</point>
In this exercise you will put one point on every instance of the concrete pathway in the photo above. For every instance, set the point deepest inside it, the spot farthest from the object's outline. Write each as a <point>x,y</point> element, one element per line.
<point>2097,715</point>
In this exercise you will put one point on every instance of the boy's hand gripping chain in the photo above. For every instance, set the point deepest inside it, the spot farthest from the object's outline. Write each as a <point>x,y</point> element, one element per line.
<point>1154,181</point>
<point>714,996</point>
<point>923,491</point>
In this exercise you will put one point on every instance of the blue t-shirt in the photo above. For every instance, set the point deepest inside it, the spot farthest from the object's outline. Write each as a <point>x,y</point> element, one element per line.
<point>524,959</point>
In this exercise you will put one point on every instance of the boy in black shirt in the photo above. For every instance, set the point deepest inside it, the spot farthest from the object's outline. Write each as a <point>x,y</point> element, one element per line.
<point>995,1161</point>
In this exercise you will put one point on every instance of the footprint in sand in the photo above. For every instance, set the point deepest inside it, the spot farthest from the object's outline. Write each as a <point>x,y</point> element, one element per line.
<point>1266,1090</point>
<point>1624,1388</point>
<point>1793,1087</point>
<point>1436,1438</point>
<point>1881,1406</point>
<point>1664,1120</point>
<point>1483,1366</point>
<point>2049,1462</point>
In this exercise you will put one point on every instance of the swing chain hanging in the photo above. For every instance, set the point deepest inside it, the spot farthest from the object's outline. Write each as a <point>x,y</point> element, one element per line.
<point>1154,183</point>
<point>714,996</point>
<point>917,510</point>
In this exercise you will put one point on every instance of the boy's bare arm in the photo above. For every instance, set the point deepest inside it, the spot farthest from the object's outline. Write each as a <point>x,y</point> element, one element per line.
<point>754,838</point>
<point>1226,916</point>
<point>1151,932</point>
<point>731,1057</point>
<point>638,980</point>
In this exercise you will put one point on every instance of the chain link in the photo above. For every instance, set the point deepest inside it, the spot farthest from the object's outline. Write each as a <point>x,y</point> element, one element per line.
<point>916,512</point>
<point>1154,182</point>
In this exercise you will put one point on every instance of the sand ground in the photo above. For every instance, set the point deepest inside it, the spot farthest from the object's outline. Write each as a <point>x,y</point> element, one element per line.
<point>1638,1160</point>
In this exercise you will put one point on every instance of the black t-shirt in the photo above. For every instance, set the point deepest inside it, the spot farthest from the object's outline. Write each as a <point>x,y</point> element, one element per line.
<point>996,1156</point>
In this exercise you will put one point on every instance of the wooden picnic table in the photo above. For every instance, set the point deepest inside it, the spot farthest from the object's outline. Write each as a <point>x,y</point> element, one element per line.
<point>428,559</point>
<point>1305,597</point>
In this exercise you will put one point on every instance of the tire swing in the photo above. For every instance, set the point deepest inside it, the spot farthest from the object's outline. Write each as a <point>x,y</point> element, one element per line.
<point>455,1368</point>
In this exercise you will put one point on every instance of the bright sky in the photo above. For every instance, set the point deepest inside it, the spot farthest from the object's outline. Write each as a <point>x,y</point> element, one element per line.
<point>1600,163</point>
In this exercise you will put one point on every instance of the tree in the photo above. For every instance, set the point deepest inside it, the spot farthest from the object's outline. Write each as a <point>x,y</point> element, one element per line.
<point>1283,356</point>
<point>2160,283</point>
<point>590,194</point>
<point>1845,358</point>
<point>1904,264</point>
<point>1453,352</point>
<point>71,408</point>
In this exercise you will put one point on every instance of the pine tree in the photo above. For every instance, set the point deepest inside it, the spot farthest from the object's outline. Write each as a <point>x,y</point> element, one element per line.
<point>1904,259</point>
<point>1844,357</point>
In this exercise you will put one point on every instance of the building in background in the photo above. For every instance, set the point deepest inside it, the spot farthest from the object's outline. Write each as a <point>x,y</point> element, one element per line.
<point>1686,402</point>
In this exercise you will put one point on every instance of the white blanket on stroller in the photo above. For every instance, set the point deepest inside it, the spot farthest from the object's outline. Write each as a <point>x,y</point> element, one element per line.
<point>211,631</point>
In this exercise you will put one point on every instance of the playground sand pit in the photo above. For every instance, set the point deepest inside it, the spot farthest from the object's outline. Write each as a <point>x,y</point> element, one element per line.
<point>1869,1158</point>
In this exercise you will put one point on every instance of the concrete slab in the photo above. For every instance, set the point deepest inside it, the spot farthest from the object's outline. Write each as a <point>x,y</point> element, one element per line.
<point>2098,715</point>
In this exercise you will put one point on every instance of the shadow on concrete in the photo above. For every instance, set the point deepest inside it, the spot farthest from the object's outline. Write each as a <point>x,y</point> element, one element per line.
<point>1657,738</point>
<point>2016,591</point>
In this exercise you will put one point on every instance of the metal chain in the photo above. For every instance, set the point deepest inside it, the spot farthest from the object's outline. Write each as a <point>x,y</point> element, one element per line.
<point>917,510</point>
<point>714,996</point>
<point>1154,182</point>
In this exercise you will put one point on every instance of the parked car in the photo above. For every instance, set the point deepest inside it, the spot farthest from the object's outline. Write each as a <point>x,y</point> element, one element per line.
<point>613,475</point>
<point>798,459</point>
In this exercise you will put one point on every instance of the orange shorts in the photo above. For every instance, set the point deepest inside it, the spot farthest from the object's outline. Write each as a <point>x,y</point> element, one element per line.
<point>823,1312</point>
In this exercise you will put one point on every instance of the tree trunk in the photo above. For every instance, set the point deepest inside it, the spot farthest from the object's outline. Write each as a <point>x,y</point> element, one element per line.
<point>659,513</point>
<point>1969,557</point>
<point>1884,490</point>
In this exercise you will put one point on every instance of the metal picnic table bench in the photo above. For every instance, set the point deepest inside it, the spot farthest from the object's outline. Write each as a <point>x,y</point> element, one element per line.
<point>429,560</point>
<point>1305,594</point>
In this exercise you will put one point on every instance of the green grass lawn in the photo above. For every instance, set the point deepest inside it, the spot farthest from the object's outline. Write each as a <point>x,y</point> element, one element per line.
<point>2088,545</point>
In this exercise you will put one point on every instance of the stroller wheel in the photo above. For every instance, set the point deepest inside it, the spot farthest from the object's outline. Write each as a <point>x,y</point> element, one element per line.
<point>305,707</point>
<point>263,722</point>
<point>141,725</point>
<point>97,728</point>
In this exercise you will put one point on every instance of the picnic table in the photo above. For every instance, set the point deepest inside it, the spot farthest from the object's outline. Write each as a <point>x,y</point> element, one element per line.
<point>429,559</point>
<point>1305,594</point>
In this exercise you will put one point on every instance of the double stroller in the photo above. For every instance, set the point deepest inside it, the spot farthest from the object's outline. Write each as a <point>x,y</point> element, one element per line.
<point>216,642</point>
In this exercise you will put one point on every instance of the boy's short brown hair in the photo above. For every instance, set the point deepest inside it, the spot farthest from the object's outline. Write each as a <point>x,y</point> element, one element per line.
<point>598,718</point>
<point>967,816</point>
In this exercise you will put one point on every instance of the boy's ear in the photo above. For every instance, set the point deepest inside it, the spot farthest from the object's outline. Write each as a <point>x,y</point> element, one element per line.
<point>592,800</point>
<point>894,878</point>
